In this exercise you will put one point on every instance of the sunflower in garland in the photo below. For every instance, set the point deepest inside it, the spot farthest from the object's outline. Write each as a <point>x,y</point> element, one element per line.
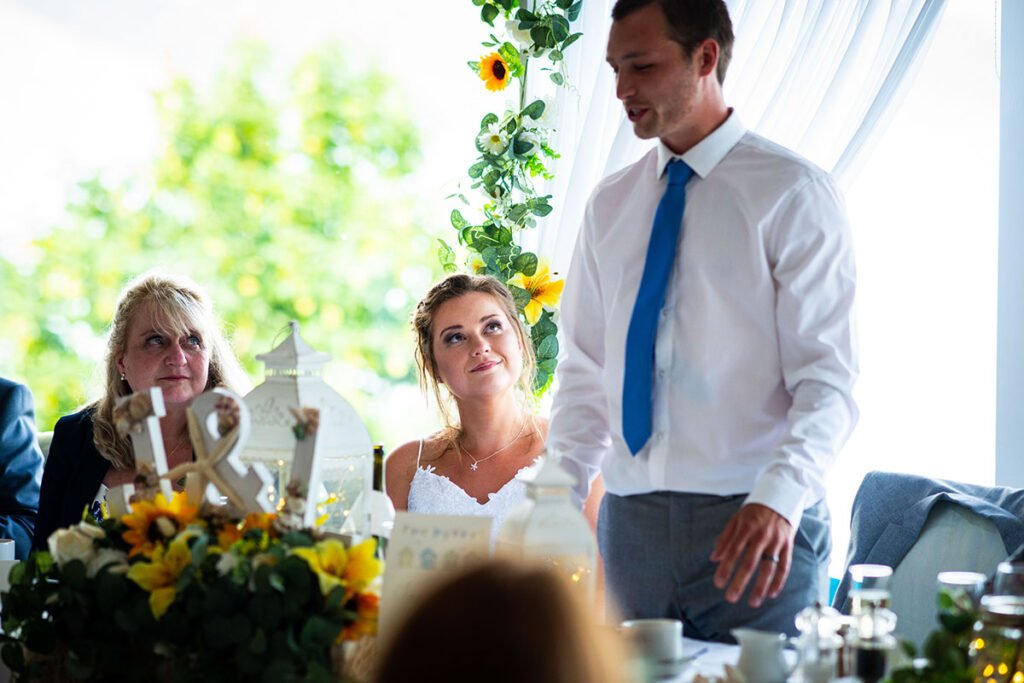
<point>152,522</point>
<point>494,72</point>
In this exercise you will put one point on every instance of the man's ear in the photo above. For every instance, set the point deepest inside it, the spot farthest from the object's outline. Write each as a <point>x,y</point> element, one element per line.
<point>706,55</point>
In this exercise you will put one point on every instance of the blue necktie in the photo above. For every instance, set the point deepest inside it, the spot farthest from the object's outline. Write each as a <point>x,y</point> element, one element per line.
<point>638,381</point>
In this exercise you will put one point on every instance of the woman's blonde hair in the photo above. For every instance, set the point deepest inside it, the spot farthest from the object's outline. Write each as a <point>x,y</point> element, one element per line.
<point>179,306</point>
<point>453,287</point>
<point>537,629</point>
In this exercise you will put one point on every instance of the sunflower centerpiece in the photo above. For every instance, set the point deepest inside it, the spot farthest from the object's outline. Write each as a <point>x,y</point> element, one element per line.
<point>184,589</point>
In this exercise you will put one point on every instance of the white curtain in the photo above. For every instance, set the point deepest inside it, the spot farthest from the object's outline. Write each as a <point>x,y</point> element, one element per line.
<point>818,76</point>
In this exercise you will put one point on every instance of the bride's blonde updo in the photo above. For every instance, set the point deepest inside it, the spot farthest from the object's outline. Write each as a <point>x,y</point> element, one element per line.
<point>453,287</point>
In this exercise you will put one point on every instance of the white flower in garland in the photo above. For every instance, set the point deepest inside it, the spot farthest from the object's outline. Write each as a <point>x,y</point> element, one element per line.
<point>494,140</point>
<point>530,138</point>
<point>547,116</point>
<point>519,36</point>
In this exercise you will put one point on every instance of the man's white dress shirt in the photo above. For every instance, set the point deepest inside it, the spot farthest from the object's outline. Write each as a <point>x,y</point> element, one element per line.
<point>755,354</point>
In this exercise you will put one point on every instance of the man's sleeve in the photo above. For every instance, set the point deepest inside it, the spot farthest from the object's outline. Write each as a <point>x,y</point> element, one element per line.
<point>579,430</point>
<point>811,253</point>
<point>21,467</point>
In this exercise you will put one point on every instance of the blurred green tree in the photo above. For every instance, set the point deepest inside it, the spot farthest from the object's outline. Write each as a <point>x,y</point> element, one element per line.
<point>286,195</point>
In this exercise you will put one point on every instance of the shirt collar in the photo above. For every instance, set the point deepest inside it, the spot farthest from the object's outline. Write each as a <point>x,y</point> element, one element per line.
<point>705,155</point>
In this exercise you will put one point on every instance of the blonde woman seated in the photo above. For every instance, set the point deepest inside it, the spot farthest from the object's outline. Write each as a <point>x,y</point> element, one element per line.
<point>164,334</point>
<point>470,340</point>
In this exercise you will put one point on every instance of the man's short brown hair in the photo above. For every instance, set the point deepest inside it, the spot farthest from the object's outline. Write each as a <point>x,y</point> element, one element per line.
<point>690,22</point>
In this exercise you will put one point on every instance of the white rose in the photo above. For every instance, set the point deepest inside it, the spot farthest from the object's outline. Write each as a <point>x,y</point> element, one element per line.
<point>74,543</point>
<point>546,118</point>
<point>531,139</point>
<point>116,560</point>
<point>519,36</point>
<point>226,564</point>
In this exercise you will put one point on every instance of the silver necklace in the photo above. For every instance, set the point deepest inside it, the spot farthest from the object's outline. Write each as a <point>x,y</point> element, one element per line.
<point>476,461</point>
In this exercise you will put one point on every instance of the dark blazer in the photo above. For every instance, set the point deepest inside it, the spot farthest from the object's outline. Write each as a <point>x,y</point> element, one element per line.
<point>21,466</point>
<point>73,474</point>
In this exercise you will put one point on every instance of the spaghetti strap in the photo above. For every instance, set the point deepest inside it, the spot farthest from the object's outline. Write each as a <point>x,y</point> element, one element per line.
<point>419,455</point>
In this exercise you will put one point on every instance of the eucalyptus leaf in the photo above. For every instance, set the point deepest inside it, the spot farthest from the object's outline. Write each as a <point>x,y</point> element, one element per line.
<point>560,28</point>
<point>544,327</point>
<point>534,110</point>
<point>557,78</point>
<point>487,120</point>
<point>488,13</point>
<point>516,213</point>
<point>520,295</point>
<point>541,35</point>
<point>476,169</point>
<point>541,210</point>
<point>570,40</point>
<point>548,348</point>
<point>573,13</point>
<point>458,222</point>
<point>540,380</point>
<point>526,263</point>
<point>522,147</point>
<point>524,14</point>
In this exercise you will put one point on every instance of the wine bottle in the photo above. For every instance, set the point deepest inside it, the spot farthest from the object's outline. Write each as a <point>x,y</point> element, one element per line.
<point>378,488</point>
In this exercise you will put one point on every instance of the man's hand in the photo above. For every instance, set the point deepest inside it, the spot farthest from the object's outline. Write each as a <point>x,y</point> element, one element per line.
<point>755,537</point>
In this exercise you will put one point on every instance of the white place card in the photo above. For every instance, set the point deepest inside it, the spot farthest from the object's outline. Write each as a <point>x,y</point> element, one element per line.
<point>423,549</point>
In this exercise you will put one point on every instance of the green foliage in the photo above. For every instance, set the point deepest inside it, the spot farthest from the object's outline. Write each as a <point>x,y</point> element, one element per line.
<point>513,149</point>
<point>265,190</point>
<point>946,648</point>
<point>241,609</point>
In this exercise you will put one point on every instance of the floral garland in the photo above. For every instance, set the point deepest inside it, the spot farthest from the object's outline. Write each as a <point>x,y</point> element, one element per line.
<point>513,150</point>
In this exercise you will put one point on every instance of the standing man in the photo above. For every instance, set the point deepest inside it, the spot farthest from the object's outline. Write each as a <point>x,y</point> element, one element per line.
<point>710,352</point>
<point>21,466</point>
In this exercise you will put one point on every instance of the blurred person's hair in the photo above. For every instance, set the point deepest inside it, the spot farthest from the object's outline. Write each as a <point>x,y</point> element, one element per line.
<point>179,306</point>
<point>502,622</point>
<point>690,23</point>
<point>453,287</point>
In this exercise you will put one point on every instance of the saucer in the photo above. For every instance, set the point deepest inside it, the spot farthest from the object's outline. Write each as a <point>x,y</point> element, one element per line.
<point>668,668</point>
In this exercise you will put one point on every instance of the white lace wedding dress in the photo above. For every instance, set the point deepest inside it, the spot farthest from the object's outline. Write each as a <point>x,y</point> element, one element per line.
<point>433,493</point>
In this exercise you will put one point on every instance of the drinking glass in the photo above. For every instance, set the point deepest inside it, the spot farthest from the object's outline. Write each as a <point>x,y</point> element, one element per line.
<point>959,594</point>
<point>1009,579</point>
<point>869,587</point>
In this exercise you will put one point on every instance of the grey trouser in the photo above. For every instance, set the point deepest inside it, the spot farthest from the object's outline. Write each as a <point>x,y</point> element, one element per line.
<point>656,549</point>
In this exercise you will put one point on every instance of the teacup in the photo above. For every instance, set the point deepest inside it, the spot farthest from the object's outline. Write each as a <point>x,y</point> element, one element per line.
<point>659,642</point>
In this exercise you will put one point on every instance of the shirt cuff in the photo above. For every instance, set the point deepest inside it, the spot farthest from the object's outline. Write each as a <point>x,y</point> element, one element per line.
<point>781,494</point>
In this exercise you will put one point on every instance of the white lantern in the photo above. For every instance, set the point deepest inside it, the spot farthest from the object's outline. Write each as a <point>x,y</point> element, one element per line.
<point>294,380</point>
<point>548,526</point>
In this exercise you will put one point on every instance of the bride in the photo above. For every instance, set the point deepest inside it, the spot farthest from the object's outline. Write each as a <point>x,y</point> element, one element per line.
<point>470,340</point>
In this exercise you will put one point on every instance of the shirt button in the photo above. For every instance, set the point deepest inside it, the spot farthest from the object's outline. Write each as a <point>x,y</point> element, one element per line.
<point>662,374</point>
<point>658,437</point>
